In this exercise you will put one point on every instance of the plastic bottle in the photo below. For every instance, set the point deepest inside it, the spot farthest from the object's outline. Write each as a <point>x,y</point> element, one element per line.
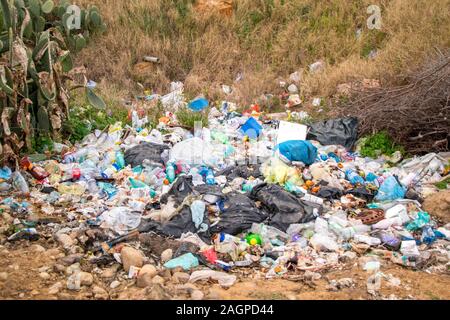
<point>386,223</point>
<point>197,178</point>
<point>37,172</point>
<point>76,189</point>
<point>92,186</point>
<point>136,184</point>
<point>210,180</point>
<point>349,232</point>
<point>120,160</point>
<point>170,172</point>
<point>19,183</point>
<point>371,241</point>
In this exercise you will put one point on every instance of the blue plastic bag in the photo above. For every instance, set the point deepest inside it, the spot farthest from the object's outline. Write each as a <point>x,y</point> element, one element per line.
<point>198,104</point>
<point>186,261</point>
<point>421,221</point>
<point>390,190</point>
<point>251,128</point>
<point>298,150</point>
<point>5,173</point>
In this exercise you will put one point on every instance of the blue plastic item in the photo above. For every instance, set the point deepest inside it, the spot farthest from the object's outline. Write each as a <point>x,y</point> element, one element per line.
<point>390,190</point>
<point>198,104</point>
<point>353,177</point>
<point>5,173</point>
<point>298,150</point>
<point>251,128</point>
<point>421,221</point>
<point>186,261</point>
<point>210,180</point>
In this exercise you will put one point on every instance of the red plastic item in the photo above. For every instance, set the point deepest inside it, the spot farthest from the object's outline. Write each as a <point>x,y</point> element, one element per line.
<point>210,255</point>
<point>76,173</point>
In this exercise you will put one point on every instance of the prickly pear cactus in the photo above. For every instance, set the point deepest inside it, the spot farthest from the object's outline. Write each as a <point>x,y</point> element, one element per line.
<point>37,39</point>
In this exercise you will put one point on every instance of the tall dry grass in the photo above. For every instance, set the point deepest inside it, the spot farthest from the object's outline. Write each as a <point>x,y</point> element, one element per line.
<point>265,40</point>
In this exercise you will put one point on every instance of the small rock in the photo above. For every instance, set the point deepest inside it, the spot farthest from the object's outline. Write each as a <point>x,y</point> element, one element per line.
<point>52,252</point>
<point>166,255</point>
<point>131,257</point>
<point>214,294</point>
<point>71,259</point>
<point>146,275</point>
<point>54,289</point>
<point>34,292</point>
<point>59,268</point>
<point>100,293</point>
<point>109,272</point>
<point>37,248</point>
<point>44,275</point>
<point>65,240</point>
<point>74,282</point>
<point>114,284</point>
<point>3,276</point>
<point>197,295</point>
<point>188,287</point>
<point>181,277</point>
<point>148,268</point>
<point>86,279</point>
<point>73,268</point>
<point>158,280</point>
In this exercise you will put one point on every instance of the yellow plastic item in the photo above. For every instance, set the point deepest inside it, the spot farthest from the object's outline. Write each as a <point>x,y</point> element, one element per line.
<point>276,171</point>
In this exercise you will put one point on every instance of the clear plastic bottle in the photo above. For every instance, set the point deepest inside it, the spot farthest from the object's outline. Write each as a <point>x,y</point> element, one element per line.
<point>19,183</point>
<point>210,180</point>
<point>170,171</point>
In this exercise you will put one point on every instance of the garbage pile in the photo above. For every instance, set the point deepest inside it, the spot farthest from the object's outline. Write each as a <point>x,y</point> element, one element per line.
<point>242,193</point>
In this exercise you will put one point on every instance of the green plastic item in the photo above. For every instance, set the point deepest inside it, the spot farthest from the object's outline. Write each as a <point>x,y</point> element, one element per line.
<point>253,239</point>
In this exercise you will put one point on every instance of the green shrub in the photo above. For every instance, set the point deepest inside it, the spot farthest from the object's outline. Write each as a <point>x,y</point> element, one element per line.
<point>378,144</point>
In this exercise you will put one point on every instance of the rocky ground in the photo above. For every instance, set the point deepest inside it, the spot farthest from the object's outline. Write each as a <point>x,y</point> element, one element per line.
<point>47,268</point>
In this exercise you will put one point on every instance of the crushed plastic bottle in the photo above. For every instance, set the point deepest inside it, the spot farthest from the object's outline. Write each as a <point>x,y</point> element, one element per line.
<point>19,183</point>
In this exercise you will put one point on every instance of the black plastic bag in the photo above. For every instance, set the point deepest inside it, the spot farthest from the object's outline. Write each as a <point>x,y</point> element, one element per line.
<point>342,131</point>
<point>362,193</point>
<point>146,150</point>
<point>179,224</point>
<point>181,188</point>
<point>238,213</point>
<point>284,208</point>
<point>242,171</point>
<point>329,193</point>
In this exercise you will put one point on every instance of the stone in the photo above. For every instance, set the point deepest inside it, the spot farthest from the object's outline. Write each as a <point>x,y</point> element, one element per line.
<point>3,276</point>
<point>158,280</point>
<point>197,295</point>
<point>100,293</point>
<point>148,268</point>
<point>73,268</point>
<point>131,257</point>
<point>214,294</point>
<point>37,248</point>
<point>86,279</point>
<point>65,240</point>
<point>54,289</point>
<point>144,280</point>
<point>109,272</point>
<point>166,255</point>
<point>44,275</point>
<point>70,259</point>
<point>181,277</point>
<point>59,268</point>
<point>146,275</point>
<point>114,284</point>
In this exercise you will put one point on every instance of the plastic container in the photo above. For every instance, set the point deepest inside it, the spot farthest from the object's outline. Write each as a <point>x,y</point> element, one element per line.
<point>19,183</point>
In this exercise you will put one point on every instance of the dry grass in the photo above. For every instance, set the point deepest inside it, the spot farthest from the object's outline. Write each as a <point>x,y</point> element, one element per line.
<point>266,40</point>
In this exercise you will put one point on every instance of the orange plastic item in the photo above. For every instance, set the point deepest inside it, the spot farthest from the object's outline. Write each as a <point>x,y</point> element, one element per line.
<point>166,182</point>
<point>165,120</point>
<point>309,183</point>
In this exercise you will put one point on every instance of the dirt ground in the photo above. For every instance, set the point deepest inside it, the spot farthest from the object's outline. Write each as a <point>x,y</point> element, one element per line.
<point>30,270</point>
